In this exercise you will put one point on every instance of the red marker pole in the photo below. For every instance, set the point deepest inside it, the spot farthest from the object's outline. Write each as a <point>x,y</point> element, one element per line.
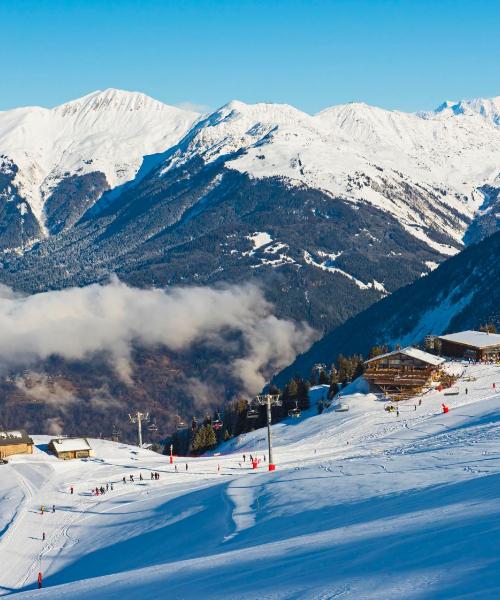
<point>272,466</point>
<point>171,455</point>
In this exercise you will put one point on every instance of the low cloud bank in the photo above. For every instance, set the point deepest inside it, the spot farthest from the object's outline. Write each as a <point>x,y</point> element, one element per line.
<point>77,323</point>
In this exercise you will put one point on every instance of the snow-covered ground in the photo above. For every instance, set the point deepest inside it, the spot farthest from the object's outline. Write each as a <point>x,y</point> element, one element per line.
<point>364,504</point>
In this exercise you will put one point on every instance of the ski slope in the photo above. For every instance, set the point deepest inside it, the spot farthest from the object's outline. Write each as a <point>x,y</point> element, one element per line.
<point>364,504</point>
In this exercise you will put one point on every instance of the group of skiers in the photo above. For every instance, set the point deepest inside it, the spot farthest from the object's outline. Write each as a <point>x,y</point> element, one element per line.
<point>253,460</point>
<point>100,491</point>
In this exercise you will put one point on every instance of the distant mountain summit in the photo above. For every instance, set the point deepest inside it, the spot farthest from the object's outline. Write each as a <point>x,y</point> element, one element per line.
<point>77,150</point>
<point>488,109</point>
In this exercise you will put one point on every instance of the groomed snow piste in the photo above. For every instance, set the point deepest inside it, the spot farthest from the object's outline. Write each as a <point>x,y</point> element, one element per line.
<point>364,504</point>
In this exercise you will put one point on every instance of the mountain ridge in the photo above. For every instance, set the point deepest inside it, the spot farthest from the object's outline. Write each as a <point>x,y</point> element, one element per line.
<point>462,293</point>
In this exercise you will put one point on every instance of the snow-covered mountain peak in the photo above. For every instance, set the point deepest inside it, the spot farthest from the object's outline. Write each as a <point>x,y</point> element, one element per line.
<point>273,114</point>
<point>487,108</point>
<point>113,99</point>
<point>106,131</point>
<point>444,105</point>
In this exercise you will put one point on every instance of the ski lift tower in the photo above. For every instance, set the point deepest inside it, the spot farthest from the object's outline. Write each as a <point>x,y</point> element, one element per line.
<point>139,417</point>
<point>269,400</point>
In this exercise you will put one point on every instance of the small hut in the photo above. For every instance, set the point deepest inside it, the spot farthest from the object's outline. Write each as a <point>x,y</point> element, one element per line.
<point>68,448</point>
<point>402,373</point>
<point>15,442</point>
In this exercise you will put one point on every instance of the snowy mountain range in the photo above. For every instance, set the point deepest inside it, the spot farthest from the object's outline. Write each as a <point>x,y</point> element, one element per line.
<point>427,169</point>
<point>326,213</point>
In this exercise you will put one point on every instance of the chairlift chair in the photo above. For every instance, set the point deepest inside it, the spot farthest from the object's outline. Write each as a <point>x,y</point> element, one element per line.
<point>252,413</point>
<point>180,424</point>
<point>295,412</point>
<point>217,423</point>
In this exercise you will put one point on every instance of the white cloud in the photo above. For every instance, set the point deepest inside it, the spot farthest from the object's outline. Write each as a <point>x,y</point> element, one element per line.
<point>77,323</point>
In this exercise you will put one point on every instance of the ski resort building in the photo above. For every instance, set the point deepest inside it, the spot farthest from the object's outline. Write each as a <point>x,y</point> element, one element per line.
<point>15,442</point>
<point>476,345</point>
<point>68,448</point>
<point>402,373</point>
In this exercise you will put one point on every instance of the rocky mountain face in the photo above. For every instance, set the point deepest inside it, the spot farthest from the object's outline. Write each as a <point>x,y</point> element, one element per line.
<point>334,210</point>
<point>65,158</point>
<point>327,213</point>
<point>462,293</point>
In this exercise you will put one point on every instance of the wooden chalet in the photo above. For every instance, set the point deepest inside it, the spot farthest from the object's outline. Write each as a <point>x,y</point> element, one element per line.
<point>402,373</point>
<point>68,448</point>
<point>15,442</point>
<point>476,345</point>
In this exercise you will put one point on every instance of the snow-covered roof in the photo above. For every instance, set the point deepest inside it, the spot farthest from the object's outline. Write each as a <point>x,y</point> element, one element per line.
<point>478,339</point>
<point>413,353</point>
<point>14,437</point>
<point>70,444</point>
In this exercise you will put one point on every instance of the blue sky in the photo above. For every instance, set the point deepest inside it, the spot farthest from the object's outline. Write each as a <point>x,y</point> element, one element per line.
<point>312,54</point>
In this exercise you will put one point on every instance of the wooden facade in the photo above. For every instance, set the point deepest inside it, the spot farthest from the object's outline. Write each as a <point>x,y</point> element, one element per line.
<point>474,345</point>
<point>403,373</point>
<point>15,442</point>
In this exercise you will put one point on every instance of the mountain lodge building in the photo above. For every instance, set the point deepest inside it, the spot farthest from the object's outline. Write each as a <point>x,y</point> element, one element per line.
<point>15,442</point>
<point>402,373</point>
<point>476,345</point>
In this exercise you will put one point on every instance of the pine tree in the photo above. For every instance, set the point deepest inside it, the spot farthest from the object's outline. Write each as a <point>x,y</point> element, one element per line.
<point>376,351</point>
<point>199,440</point>
<point>488,328</point>
<point>210,437</point>
<point>303,394</point>
<point>292,389</point>
<point>334,382</point>
<point>323,377</point>
<point>359,368</point>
